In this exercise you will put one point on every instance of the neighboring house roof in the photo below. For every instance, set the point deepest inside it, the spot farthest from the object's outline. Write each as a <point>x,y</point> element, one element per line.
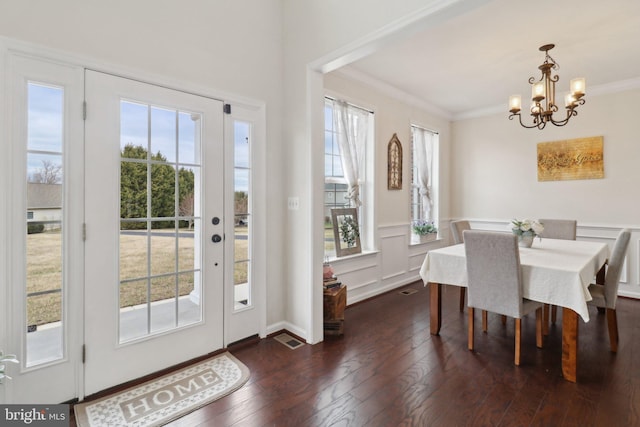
<point>44,196</point>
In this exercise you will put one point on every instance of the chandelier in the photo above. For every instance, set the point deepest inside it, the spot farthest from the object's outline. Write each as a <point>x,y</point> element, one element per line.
<point>543,94</point>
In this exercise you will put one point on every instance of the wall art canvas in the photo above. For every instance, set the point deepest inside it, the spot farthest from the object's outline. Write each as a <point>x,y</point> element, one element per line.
<point>580,158</point>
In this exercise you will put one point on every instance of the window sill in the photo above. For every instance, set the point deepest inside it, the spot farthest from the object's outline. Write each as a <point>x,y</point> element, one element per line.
<point>436,240</point>
<point>335,259</point>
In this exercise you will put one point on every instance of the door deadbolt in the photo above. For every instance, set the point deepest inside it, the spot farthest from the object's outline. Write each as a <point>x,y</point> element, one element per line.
<point>215,220</point>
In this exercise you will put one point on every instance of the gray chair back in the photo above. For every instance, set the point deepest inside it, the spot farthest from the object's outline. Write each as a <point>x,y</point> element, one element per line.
<point>494,275</point>
<point>614,268</point>
<point>457,228</point>
<point>564,229</point>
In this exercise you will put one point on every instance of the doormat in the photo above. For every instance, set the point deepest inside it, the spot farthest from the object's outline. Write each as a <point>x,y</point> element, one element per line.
<point>164,399</point>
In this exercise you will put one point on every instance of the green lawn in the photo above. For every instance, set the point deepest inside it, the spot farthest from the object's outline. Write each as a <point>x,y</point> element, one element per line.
<point>44,272</point>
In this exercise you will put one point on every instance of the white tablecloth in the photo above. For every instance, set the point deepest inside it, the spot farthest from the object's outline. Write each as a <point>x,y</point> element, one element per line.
<point>554,271</point>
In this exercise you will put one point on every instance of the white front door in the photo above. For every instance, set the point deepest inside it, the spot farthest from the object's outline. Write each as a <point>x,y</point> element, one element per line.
<point>154,257</point>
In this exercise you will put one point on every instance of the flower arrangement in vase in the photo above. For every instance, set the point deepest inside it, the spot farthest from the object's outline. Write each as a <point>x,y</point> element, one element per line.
<point>425,230</point>
<point>526,230</point>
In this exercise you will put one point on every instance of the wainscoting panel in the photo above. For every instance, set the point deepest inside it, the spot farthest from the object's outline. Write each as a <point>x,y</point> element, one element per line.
<point>396,264</point>
<point>392,244</point>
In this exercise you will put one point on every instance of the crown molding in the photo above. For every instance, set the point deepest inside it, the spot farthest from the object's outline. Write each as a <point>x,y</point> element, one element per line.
<point>614,87</point>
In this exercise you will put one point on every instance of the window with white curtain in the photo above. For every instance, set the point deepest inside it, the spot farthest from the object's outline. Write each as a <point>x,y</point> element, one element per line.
<point>348,136</point>
<point>424,174</point>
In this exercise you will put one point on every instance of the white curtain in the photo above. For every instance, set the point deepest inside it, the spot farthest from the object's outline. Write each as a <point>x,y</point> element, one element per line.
<point>350,124</point>
<point>423,143</point>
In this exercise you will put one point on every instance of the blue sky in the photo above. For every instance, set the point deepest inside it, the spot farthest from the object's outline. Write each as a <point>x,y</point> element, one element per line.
<point>45,132</point>
<point>45,126</point>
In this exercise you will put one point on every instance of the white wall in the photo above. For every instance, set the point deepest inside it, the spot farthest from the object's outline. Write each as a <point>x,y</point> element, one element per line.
<point>494,167</point>
<point>494,174</point>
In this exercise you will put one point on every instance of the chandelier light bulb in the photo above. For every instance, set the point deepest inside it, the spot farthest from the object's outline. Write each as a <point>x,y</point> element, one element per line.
<point>578,87</point>
<point>515,104</point>
<point>538,92</point>
<point>535,108</point>
<point>569,100</point>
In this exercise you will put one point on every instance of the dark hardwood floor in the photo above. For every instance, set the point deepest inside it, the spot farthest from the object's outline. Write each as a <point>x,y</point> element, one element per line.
<point>387,370</point>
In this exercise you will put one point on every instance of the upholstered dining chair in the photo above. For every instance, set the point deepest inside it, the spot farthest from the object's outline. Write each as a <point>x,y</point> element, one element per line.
<point>564,229</point>
<point>457,228</point>
<point>605,296</point>
<point>494,280</point>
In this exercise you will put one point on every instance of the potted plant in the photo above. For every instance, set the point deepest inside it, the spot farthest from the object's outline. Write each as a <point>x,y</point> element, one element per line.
<point>424,231</point>
<point>526,230</point>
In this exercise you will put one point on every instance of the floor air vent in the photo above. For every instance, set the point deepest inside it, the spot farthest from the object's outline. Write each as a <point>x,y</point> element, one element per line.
<point>408,292</point>
<point>289,341</point>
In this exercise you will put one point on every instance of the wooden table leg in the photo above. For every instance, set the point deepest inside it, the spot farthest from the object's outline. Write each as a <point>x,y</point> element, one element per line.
<point>545,320</point>
<point>435,307</point>
<point>600,276</point>
<point>569,344</point>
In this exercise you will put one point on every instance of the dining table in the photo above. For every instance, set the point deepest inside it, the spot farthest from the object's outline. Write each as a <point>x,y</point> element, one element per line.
<point>555,272</point>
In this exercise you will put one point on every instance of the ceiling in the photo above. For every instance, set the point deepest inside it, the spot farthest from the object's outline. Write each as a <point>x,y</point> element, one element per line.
<point>474,61</point>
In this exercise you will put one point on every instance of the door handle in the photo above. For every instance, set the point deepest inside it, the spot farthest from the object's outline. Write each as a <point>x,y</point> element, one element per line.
<point>216,238</point>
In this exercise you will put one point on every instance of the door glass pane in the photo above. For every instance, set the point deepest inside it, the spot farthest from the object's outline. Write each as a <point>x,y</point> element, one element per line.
<point>163,306</point>
<point>134,129</point>
<point>45,291</point>
<point>133,187</point>
<point>186,261</point>
<point>163,189</point>
<point>188,308</point>
<point>163,249</point>
<point>242,214</point>
<point>45,118</point>
<point>133,309</point>
<point>160,220</point>
<point>187,133</point>
<point>163,134</point>
<point>133,250</point>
